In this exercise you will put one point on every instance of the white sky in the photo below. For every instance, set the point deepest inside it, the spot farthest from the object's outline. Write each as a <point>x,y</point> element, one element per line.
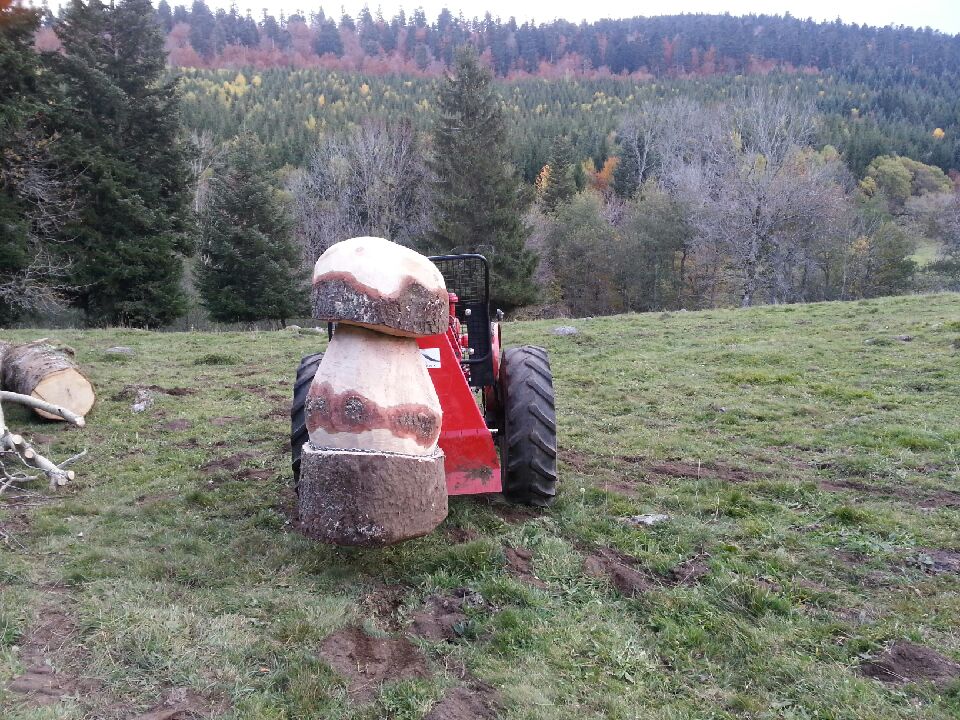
<point>941,15</point>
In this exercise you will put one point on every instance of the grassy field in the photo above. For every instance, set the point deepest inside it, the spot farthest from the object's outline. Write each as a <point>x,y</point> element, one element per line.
<point>807,458</point>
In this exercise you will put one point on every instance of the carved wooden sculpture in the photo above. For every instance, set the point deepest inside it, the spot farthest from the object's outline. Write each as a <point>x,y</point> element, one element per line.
<point>372,473</point>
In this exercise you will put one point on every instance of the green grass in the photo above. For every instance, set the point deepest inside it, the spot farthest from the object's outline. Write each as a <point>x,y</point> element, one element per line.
<point>178,577</point>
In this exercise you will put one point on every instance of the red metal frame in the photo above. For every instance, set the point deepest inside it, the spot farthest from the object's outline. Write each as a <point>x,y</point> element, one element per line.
<point>471,463</point>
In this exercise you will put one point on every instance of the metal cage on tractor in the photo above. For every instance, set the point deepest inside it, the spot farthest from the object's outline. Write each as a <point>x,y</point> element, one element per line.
<point>498,432</point>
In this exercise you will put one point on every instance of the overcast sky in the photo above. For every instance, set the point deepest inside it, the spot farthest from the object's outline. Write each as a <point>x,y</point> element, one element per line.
<point>939,14</point>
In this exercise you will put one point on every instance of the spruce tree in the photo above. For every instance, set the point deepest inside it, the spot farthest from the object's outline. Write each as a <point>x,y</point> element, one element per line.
<point>249,267</point>
<point>123,139</point>
<point>626,176</point>
<point>561,186</point>
<point>35,194</point>
<point>477,192</point>
<point>328,39</point>
<point>21,97</point>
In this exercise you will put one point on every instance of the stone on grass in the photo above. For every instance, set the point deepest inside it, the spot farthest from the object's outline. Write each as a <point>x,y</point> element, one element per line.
<point>648,520</point>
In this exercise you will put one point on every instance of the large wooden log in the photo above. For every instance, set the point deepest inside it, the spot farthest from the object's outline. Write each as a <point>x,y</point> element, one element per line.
<point>369,499</point>
<point>48,373</point>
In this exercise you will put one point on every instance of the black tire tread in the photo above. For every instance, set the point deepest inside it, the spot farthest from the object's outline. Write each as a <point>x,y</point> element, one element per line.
<point>298,422</point>
<point>530,441</point>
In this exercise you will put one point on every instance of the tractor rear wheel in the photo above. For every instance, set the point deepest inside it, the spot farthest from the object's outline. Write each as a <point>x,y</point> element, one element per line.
<point>529,444</point>
<point>298,421</point>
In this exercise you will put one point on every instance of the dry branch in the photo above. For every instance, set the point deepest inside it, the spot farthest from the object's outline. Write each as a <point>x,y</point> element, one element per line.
<point>38,404</point>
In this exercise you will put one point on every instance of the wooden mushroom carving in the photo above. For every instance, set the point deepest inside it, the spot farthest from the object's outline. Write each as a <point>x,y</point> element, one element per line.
<point>371,472</point>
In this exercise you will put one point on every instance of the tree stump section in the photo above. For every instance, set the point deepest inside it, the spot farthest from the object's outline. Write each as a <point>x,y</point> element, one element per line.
<point>47,373</point>
<point>369,499</point>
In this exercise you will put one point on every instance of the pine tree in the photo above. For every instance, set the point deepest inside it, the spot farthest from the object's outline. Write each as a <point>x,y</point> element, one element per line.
<point>328,40</point>
<point>477,205</point>
<point>122,138</point>
<point>165,15</point>
<point>626,180</point>
<point>561,185</point>
<point>29,186</point>
<point>249,266</point>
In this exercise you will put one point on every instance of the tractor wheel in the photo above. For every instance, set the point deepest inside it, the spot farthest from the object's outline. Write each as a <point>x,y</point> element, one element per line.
<point>529,443</point>
<point>298,421</point>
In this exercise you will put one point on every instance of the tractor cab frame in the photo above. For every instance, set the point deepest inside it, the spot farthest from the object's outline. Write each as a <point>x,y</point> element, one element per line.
<point>463,361</point>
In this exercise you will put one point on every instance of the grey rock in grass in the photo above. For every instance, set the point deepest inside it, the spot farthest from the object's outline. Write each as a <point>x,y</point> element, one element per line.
<point>143,401</point>
<point>565,330</point>
<point>120,350</point>
<point>648,520</point>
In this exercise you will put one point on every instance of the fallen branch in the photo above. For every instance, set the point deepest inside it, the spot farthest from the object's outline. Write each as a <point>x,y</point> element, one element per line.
<point>38,404</point>
<point>24,451</point>
<point>15,446</point>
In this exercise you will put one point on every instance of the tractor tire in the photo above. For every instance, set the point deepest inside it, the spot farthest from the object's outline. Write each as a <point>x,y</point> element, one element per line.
<point>528,448</point>
<point>298,421</point>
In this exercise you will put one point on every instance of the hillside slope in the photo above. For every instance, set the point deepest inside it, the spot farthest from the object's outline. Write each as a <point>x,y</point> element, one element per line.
<point>808,458</point>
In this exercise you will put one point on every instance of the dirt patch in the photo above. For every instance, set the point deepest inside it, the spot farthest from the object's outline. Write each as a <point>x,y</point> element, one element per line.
<point>513,514</point>
<point>689,572</point>
<point>250,372</point>
<point>280,412</point>
<point>928,500</point>
<point>366,662</point>
<point>857,616</point>
<point>620,488</point>
<point>518,565</point>
<point>152,498</point>
<point>939,562</point>
<point>221,421</point>
<point>130,392</point>
<point>908,662</point>
<point>699,471</point>
<point>384,602</point>
<point>184,703</point>
<point>442,618</point>
<point>16,523</point>
<point>577,460</point>
<point>479,701</point>
<point>622,570</point>
<point>255,474</point>
<point>459,535</point>
<point>939,499</point>
<point>177,425</point>
<point>42,683</point>
<point>850,559</point>
<point>231,462</point>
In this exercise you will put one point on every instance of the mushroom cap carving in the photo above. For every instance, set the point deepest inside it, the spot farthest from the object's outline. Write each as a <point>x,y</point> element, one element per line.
<point>380,285</point>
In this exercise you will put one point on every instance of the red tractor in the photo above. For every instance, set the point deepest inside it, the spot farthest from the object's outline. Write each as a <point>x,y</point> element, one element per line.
<point>492,399</point>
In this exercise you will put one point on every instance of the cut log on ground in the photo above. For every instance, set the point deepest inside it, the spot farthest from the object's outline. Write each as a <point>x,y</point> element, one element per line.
<point>48,373</point>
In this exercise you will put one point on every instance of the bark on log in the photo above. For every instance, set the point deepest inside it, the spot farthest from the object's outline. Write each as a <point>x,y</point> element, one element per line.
<point>369,499</point>
<point>48,373</point>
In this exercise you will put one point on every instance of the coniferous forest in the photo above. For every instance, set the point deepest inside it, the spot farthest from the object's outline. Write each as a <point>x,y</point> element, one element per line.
<point>641,164</point>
